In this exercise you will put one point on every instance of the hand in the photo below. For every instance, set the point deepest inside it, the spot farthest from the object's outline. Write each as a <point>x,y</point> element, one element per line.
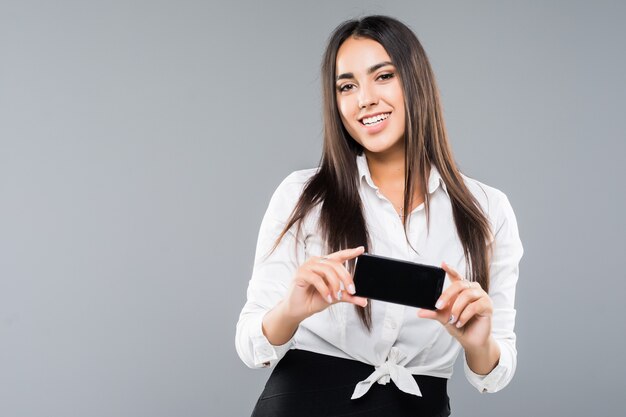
<point>465,310</point>
<point>320,282</point>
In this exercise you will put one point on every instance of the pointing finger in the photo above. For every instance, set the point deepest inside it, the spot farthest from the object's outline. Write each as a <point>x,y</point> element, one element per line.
<point>346,254</point>
<point>454,276</point>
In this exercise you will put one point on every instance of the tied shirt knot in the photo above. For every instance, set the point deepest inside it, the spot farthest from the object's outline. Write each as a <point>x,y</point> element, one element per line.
<point>389,370</point>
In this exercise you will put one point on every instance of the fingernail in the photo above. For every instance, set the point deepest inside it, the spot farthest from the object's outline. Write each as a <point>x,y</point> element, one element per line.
<point>360,247</point>
<point>365,303</point>
<point>459,324</point>
<point>341,286</point>
<point>351,289</point>
<point>339,295</point>
<point>439,305</point>
<point>451,319</point>
<point>329,299</point>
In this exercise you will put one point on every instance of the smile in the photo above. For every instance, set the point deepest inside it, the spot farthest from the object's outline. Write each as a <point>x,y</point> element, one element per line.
<point>371,121</point>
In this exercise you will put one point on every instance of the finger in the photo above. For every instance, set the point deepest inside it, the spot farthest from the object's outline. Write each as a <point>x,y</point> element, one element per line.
<point>329,273</point>
<point>465,298</point>
<point>430,314</point>
<point>346,254</point>
<point>448,296</point>
<point>307,278</point>
<point>454,276</point>
<point>346,282</point>
<point>442,316</point>
<point>479,307</point>
<point>355,300</point>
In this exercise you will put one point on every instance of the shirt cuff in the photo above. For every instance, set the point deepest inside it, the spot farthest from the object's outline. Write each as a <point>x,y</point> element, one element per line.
<point>494,380</point>
<point>265,354</point>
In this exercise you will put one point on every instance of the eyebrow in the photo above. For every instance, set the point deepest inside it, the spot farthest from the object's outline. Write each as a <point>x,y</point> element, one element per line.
<point>369,70</point>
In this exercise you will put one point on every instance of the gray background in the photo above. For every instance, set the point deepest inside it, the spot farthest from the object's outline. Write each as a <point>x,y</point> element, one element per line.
<point>140,143</point>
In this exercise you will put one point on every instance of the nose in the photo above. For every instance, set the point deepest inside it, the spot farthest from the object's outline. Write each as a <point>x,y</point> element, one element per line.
<point>367,96</point>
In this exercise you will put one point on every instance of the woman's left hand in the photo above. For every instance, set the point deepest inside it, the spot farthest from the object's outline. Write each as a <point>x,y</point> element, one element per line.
<point>465,310</point>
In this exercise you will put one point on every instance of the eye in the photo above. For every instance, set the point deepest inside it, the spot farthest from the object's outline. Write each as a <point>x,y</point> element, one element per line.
<point>386,76</point>
<point>344,87</point>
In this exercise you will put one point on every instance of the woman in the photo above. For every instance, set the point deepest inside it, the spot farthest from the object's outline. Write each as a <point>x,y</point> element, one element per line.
<point>385,154</point>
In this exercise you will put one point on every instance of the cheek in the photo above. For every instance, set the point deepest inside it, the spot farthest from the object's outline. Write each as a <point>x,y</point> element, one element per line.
<point>400,110</point>
<point>345,113</point>
<point>343,107</point>
<point>401,115</point>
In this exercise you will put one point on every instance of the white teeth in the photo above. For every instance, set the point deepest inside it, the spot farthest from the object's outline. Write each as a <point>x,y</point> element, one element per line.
<point>375,119</point>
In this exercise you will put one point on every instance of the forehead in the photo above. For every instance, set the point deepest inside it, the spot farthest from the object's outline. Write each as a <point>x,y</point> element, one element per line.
<point>357,54</point>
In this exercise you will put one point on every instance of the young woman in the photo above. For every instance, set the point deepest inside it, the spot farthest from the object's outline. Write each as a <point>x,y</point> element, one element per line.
<point>388,185</point>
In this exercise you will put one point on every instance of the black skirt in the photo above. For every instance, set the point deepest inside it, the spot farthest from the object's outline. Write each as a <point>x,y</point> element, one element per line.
<point>310,384</point>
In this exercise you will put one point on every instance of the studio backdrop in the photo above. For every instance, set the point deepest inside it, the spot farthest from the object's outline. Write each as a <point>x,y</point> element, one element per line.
<point>141,141</point>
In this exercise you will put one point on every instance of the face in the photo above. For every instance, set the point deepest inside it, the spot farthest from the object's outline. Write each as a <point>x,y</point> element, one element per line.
<point>369,96</point>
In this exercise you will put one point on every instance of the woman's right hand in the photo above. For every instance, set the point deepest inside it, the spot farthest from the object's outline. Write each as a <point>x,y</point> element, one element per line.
<point>320,282</point>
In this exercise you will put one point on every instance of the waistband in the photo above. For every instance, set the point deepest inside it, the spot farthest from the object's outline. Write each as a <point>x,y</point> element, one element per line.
<point>301,372</point>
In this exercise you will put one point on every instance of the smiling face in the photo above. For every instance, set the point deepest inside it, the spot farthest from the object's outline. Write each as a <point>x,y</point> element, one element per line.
<point>369,96</point>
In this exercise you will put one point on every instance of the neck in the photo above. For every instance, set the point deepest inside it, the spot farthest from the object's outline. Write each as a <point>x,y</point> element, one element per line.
<point>387,171</point>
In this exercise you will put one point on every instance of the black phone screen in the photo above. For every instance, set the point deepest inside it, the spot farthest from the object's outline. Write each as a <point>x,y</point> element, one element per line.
<point>398,281</point>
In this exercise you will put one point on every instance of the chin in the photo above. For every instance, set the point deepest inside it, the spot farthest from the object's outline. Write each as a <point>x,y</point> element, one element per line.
<point>376,149</point>
<point>374,146</point>
<point>380,144</point>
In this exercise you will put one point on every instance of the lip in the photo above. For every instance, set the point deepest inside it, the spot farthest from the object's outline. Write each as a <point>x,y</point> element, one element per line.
<point>378,126</point>
<point>360,119</point>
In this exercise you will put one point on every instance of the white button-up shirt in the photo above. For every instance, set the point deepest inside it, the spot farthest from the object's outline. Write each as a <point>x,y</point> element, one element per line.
<point>400,343</point>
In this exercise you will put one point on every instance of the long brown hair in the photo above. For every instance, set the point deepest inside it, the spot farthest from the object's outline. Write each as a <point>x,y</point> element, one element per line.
<point>335,185</point>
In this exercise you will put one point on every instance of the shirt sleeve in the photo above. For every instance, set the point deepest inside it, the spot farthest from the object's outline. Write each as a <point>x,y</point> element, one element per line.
<point>271,277</point>
<point>504,272</point>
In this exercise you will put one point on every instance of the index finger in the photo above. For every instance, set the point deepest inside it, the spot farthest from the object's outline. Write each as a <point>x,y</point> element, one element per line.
<point>450,293</point>
<point>454,276</point>
<point>346,254</point>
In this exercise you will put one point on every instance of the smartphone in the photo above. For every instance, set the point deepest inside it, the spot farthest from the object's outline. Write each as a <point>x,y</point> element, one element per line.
<point>398,281</point>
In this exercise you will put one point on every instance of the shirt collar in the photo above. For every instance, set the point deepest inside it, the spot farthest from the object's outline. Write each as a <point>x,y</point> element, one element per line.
<point>434,179</point>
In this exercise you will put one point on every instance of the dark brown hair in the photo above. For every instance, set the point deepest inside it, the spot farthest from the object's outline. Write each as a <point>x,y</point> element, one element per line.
<point>336,184</point>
